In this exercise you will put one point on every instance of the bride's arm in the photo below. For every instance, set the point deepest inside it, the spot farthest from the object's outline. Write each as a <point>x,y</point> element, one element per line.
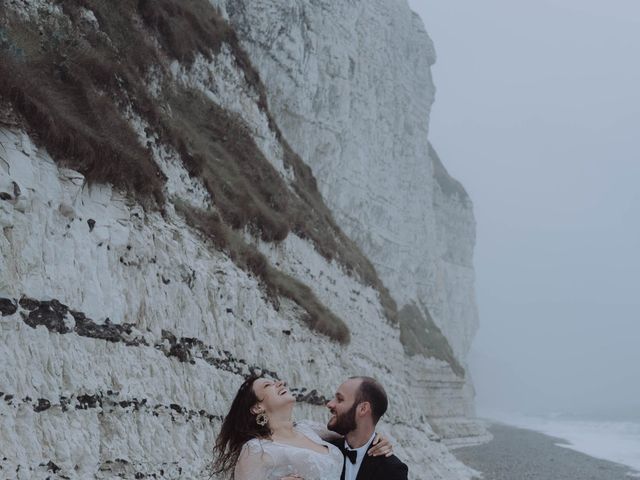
<point>380,445</point>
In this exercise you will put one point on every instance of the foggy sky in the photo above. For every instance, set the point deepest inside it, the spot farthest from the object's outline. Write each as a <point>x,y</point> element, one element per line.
<point>537,113</point>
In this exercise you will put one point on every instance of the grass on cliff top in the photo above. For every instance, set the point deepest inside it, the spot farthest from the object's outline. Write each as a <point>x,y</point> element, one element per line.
<point>70,82</point>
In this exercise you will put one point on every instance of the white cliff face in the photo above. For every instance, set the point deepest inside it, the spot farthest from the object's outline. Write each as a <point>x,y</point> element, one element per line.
<point>451,400</point>
<point>124,334</point>
<point>455,226</point>
<point>350,86</point>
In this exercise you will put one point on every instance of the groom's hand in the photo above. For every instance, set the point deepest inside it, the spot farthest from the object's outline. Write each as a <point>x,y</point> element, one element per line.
<point>381,446</point>
<point>292,477</point>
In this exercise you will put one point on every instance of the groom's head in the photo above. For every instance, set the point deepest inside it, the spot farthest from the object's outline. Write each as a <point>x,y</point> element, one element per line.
<point>358,401</point>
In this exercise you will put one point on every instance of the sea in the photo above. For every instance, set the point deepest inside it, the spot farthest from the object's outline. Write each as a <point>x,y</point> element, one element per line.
<point>614,440</point>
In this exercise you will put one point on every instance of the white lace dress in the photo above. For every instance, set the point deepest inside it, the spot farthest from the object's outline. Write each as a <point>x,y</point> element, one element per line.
<point>269,460</point>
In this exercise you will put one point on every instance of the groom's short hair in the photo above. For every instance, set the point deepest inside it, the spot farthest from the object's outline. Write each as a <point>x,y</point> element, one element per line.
<point>371,391</point>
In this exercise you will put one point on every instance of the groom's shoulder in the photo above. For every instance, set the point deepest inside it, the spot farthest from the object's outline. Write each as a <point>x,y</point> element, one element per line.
<point>391,468</point>
<point>393,462</point>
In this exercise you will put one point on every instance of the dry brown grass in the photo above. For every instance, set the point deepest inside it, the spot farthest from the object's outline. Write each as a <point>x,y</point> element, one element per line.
<point>185,28</point>
<point>329,239</point>
<point>217,147</point>
<point>278,284</point>
<point>71,82</point>
<point>82,128</point>
<point>66,101</point>
<point>421,336</point>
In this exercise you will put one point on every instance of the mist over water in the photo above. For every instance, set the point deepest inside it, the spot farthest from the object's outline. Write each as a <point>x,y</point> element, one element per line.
<point>537,113</point>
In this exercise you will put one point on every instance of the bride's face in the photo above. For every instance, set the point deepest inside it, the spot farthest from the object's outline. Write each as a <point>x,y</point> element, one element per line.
<point>273,394</point>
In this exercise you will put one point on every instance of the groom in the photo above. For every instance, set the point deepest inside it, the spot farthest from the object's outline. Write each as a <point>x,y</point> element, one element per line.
<point>355,410</point>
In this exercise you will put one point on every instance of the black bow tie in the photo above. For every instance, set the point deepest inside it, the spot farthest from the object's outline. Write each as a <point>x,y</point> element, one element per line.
<point>351,455</point>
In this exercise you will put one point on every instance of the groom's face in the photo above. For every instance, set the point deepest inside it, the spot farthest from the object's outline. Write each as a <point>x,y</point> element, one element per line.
<point>343,408</point>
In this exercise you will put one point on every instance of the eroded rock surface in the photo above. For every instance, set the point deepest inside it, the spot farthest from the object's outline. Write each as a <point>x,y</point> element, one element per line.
<point>124,332</point>
<point>350,85</point>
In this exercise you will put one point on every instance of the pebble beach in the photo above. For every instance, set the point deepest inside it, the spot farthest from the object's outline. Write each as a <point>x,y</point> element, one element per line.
<point>518,454</point>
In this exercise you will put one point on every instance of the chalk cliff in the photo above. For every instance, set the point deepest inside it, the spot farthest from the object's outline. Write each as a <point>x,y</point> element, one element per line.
<point>350,86</point>
<point>162,235</point>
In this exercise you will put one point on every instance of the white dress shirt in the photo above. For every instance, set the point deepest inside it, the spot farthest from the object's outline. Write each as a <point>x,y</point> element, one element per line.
<point>351,469</point>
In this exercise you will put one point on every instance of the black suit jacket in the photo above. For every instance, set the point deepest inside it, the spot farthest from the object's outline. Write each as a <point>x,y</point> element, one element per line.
<point>377,468</point>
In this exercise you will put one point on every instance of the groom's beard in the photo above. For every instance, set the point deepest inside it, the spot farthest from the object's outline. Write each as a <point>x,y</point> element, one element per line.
<point>344,423</point>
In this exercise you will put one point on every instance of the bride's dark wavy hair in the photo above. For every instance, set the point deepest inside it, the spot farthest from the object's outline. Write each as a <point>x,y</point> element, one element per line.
<point>238,427</point>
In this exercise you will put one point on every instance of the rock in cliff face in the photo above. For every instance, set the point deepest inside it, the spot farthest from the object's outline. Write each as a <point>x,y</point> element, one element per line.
<point>161,235</point>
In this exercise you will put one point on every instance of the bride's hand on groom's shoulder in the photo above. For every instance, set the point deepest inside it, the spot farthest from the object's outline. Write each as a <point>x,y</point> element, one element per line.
<point>292,477</point>
<point>381,446</point>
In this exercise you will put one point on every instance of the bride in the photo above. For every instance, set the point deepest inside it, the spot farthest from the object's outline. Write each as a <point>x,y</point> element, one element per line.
<point>259,440</point>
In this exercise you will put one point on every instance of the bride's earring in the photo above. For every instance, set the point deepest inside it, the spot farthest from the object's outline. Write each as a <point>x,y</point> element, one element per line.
<point>262,419</point>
